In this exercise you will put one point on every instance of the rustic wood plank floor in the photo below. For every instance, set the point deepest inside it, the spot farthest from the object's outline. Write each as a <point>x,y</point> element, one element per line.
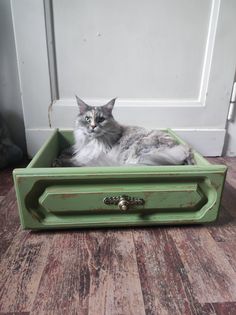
<point>162,270</point>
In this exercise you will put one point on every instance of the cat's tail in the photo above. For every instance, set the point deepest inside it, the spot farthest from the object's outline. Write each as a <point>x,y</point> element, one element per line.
<point>177,155</point>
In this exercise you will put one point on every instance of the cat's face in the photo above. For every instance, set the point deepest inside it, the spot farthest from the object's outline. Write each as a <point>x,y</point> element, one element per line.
<point>95,120</point>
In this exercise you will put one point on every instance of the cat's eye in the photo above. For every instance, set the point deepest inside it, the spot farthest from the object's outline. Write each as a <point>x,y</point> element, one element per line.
<point>87,118</point>
<point>101,119</point>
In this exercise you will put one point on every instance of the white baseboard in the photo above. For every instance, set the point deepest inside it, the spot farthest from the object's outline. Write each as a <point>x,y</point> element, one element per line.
<point>209,142</point>
<point>230,145</point>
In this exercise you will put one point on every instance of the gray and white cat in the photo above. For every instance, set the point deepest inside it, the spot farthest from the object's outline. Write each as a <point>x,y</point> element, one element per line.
<point>101,141</point>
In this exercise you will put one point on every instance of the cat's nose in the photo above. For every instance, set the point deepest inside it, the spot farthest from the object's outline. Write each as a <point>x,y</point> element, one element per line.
<point>93,126</point>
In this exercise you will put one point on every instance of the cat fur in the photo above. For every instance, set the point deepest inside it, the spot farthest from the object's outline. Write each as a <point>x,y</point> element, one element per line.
<point>101,141</point>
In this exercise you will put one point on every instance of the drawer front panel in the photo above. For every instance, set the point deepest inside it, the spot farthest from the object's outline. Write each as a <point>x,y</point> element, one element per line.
<point>90,198</point>
<point>78,203</point>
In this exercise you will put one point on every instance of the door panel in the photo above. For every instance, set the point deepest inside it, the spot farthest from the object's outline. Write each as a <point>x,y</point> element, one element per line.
<point>170,63</point>
<point>131,49</point>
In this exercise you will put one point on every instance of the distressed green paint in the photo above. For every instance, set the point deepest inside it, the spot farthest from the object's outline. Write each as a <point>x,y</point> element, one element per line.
<point>73,197</point>
<point>90,197</point>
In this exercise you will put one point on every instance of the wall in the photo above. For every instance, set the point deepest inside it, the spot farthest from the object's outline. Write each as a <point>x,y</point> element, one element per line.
<point>10,96</point>
<point>230,139</point>
<point>230,144</point>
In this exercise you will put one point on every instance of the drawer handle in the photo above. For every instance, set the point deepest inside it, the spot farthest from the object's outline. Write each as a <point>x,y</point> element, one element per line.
<point>123,201</point>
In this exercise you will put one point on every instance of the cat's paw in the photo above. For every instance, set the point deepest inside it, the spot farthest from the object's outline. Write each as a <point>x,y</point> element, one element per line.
<point>57,163</point>
<point>190,158</point>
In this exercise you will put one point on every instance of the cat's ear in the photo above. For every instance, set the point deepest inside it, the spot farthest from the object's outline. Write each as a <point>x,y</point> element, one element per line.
<point>109,106</point>
<point>83,107</point>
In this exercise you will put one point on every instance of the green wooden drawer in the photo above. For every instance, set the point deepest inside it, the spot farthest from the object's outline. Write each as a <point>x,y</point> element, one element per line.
<point>115,196</point>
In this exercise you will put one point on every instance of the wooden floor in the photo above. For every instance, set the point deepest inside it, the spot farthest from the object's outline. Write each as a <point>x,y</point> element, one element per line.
<point>162,270</point>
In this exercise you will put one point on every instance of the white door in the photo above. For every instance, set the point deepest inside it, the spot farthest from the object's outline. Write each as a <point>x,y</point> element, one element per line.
<point>171,63</point>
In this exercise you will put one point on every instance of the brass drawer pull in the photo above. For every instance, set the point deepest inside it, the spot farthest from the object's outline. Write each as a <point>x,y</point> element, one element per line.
<point>123,201</point>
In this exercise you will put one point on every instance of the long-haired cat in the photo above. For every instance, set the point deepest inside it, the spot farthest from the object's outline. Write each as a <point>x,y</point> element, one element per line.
<point>101,141</point>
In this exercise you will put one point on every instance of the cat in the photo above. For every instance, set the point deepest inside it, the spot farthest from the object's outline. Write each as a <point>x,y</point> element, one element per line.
<point>101,141</point>
<point>9,152</point>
